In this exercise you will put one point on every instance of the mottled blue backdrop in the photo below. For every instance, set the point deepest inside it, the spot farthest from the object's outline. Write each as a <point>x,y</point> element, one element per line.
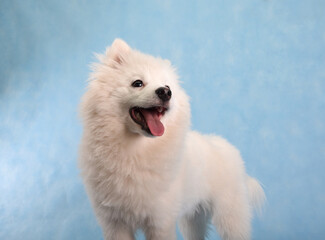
<point>255,71</point>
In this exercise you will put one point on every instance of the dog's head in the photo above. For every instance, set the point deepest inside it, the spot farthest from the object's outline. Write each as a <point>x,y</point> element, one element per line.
<point>136,91</point>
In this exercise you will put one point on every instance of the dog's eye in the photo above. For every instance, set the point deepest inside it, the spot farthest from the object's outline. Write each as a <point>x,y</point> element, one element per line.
<point>137,83</point>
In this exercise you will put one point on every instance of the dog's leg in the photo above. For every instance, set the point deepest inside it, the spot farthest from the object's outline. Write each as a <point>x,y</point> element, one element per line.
<point>232,218</point>
<point>113,228</point>
<point>194,226</point>
<point>117,231</point>
<point>160,232</point>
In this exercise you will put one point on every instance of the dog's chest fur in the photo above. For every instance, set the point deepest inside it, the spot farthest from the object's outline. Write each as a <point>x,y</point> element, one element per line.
<point>130,186</point>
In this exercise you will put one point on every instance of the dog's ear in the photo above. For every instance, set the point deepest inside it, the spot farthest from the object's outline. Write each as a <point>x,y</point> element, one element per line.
<point>118,51</point>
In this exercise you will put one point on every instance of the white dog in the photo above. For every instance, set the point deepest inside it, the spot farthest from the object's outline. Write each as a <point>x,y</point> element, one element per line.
<point>143,167</point>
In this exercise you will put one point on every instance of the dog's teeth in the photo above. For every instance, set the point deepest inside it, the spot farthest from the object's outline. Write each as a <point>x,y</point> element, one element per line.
<point>160,109</point>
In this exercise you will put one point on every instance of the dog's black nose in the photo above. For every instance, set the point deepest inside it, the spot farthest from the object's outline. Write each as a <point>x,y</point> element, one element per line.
<point>164,93</point>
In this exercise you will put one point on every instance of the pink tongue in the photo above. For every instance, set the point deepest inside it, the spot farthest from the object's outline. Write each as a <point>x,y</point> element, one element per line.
<point>153,122</point>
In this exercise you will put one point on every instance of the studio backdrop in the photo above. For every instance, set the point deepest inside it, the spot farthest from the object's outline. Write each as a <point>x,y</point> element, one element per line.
<point>254,70</point>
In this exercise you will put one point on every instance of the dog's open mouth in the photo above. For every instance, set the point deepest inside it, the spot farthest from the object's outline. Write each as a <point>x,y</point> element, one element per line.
<point>149,119</point>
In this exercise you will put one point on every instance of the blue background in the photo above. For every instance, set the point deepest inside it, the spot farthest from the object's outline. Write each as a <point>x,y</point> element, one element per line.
<point>255,72</point>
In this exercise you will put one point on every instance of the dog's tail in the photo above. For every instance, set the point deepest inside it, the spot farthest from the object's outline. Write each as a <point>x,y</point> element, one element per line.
<point>256,194</point>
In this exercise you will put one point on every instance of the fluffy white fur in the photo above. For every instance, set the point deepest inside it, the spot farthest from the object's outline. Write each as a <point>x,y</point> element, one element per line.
<point>135,180</point>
